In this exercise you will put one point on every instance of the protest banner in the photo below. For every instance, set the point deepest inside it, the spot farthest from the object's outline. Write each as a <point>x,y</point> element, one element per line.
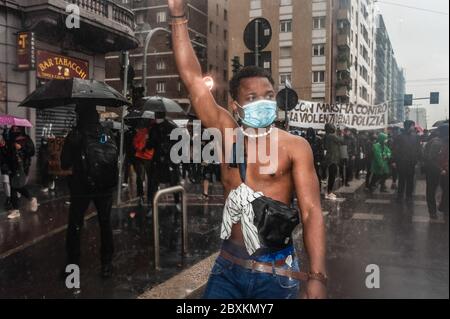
<point>361,117</point>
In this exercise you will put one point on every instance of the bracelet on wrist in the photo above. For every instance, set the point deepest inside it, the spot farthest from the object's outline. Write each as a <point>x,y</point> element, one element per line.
<point>319,277</point>
<point>185,21</point>
<point>178,17</point>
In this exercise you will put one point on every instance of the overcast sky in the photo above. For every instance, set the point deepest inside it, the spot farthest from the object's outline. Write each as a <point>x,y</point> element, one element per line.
<point>421,45</point>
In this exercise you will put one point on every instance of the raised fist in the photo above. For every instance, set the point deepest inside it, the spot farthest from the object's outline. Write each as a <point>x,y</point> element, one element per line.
<point>176,7</point>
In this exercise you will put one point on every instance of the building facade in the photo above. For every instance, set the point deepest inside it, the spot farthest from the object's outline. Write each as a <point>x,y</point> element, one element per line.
<point>390,79</point>
<point>418,115</point>
<point>37,44</point>
<point>207,26</point>
<point>324,47</point>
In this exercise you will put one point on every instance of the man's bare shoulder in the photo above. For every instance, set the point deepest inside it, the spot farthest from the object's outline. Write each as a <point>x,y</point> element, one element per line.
<point>295,143</point>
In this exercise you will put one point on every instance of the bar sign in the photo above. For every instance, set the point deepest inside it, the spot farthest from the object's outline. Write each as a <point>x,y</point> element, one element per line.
<point>26,57</point>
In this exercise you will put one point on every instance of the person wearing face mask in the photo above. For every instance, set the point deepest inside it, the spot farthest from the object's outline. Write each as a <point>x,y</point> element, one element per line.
<point>250,265</point>
<point>406,154</point>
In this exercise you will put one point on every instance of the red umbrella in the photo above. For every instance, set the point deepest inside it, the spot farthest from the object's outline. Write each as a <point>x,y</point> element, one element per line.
<point>14,121</point>
<point>419,130</point>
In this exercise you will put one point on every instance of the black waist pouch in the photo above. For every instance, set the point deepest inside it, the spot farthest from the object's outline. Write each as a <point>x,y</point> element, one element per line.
<point>275,222</point>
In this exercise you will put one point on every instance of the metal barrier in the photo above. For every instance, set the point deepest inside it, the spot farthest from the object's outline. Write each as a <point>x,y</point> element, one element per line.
<point>184,244</point>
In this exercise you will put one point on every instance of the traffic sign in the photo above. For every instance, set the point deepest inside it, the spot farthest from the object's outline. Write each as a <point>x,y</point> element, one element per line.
<point>287,99</point>
<point>258,34</point>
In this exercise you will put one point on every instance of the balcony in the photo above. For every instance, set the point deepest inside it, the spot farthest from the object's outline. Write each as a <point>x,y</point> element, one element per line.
<point>344,62</point>
<point>344,14</point>
<point>104,25</point>
<point>343,84</point>
<point>342,92</point>
<point>343,39</point>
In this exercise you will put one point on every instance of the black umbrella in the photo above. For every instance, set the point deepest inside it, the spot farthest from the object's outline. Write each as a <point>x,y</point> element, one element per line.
<point>74,91</point>
<point>139,114</point>
<point>158,104</point>
<point>440,123</point>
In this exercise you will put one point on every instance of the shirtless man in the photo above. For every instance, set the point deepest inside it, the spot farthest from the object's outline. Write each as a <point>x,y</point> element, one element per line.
<point>294,173</point>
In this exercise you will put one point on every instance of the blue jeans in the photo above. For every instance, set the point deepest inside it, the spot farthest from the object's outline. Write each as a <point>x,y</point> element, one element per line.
<point>230,281</point>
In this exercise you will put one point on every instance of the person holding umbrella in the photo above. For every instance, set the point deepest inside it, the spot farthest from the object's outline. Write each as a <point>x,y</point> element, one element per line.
<point>143,156</point>
<point>163,169</point>
<point>18,154</point>
<point>91,152</point>
<point>4,168</point>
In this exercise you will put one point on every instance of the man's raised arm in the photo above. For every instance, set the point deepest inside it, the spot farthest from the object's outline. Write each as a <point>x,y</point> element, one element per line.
<point>211,114</point>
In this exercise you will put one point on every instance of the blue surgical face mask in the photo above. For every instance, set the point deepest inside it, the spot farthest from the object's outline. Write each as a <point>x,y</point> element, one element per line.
<point>259,114</point>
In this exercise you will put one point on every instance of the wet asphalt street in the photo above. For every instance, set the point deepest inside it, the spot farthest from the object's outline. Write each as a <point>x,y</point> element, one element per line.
<point>410,251</point>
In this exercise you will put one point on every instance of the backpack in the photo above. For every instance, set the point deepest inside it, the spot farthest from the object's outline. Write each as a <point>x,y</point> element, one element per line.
<point>432,152</point>
<point>140,142</point>
<point>100,156</point>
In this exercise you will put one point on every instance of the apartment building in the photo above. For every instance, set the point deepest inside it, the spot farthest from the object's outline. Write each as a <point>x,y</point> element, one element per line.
<point>324,47</point>
<point>207,26</point>
<point>390,79</point>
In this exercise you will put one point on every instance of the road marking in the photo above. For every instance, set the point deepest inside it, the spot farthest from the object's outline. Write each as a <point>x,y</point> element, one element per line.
<point>427,220</point>
<point>368,217</point>
<point>420,203</point>
<point>378,201</point>
<point>337,200</point>
<point>40,238</point>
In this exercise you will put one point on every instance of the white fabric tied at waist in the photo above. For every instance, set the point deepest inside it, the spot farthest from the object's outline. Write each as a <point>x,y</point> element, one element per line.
<point>238,209</point>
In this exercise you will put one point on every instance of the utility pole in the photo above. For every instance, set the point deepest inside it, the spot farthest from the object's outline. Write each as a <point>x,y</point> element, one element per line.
<point>126,65</point>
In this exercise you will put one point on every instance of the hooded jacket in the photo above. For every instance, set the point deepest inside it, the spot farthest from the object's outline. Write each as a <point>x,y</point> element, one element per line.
<point>11,155</point>
<point>381,156</point>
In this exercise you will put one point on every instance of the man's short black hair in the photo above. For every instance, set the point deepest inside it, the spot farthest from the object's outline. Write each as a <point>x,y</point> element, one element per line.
<point>245,73</point>
<point>408,124</point>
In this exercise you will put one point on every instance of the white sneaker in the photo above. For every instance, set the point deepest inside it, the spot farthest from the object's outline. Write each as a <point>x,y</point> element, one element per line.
<point>13,214</point>
<point>331,196</point>
<point>124,185</point>
<point>179,208</point>
<point>53,185</point>
<point>45,190</point>
<point>34,206</point>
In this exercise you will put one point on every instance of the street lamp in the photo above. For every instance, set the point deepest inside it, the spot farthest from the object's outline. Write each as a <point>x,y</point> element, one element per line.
<point>144,64</point>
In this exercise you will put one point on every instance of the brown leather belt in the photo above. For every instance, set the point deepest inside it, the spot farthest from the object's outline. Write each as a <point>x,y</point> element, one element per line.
<point>265,267</point>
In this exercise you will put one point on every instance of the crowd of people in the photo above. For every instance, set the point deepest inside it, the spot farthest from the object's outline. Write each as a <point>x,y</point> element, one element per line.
<point>338,154</point>
<point>395,155</point>
<point>16,152</point>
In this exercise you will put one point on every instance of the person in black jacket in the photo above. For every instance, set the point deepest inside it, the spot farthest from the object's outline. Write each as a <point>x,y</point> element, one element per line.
<point>164,170</point>
<point>19,152</point>
<point>81,195</point>
<point>350,141</point>
<point>4,169</point>
<point>406,154</point>
<point>433,168</point>
<point>317,148</point>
